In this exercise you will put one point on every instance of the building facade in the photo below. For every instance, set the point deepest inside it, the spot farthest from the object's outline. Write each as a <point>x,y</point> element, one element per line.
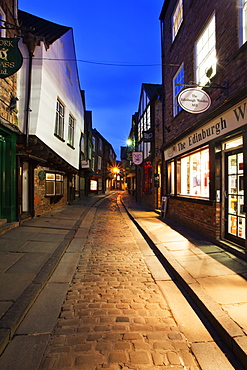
<point>9,130</point>
<point>149,139</point>
<point>103,160</point>
<point>50,117</point>
<point>204,55</point>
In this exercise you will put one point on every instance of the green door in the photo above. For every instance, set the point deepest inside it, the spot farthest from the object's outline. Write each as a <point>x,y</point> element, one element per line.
<point>8,177</point>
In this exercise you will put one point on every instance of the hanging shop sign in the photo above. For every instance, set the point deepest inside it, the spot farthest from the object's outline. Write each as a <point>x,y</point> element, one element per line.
<point>194,100</point>
<point>137,157</point>
<point>148,136</point>
<point>10,57</point>
<point>230,120</point>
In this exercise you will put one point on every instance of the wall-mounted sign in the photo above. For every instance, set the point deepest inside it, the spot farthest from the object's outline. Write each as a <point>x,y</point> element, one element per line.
<point>85,163</point>
<point>41,175</point>
<point>194,100</point>
<point>137,157</point>
<point>10,57</point>
<point>148,136</point>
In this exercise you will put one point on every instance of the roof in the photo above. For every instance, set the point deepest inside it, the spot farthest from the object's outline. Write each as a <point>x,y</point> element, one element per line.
<point>42,28</point>
<point>151,89</point>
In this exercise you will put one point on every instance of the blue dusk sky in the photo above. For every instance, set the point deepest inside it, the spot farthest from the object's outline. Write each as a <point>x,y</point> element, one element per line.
<point>118,47</point>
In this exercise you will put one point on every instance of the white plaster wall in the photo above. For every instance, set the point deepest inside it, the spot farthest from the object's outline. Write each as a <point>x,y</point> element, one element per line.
<point>50,80</point>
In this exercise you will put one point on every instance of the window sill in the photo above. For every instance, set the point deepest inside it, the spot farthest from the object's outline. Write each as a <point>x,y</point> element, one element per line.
<point>59,138</point>
<point>198,200</point>
<point>71,146</point>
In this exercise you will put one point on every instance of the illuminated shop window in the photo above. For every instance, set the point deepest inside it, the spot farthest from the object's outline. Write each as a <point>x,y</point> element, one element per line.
<point>53,184</point>
<point>171,178</point>
<point>205,52</point>
<point>147,172</point>
<point>194,174</point>
<point>93,185</point>
<point>177,18</point>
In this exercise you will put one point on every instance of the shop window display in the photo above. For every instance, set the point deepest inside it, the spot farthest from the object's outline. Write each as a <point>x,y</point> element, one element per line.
<point>194,176</point>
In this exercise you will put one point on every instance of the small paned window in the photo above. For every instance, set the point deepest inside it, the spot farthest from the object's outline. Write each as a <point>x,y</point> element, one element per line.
<point>244,20</point>
<point>205,51</point>
<point>178,81</point>
<point>94,143</point>
<point>99,163</point>
<point>59,125</point>
<point>177,18</point>
<point>71,130</point>
<point>2,19</point>
<point>53,184</point>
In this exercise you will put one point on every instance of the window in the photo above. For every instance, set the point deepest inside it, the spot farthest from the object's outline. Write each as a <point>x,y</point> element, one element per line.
<point>100,145</point>
<point>99,163</point>
<point>93,185</point>
<point>194,174</point>
<point>177,18</point>
<point>242,21</point>
<point>2,19</point>
<point>53,184</point>
<point>171,177</point>
<point>71,130</point>
<point>59,125</point>
<point>177,81</point>
<point>94,143</point>
<point>205,52</point>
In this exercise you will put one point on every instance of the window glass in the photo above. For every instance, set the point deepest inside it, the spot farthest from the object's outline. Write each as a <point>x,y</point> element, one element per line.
<point>171,178</point>
<point>205,50</point>
<point>59,124</point>
<point>71,129</point>
<point>195,174</point>
<point>242,21</point>
<point>177,81</point>
<point>53,184</point>
<point>177,18</point>
<point>2,18</point>
<point>93,185</point>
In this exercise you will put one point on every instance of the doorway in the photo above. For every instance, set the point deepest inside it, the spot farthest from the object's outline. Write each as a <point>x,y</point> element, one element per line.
<point>234,197</point>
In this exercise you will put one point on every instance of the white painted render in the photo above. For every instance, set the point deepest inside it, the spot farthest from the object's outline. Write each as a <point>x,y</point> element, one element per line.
<point>54,75</point>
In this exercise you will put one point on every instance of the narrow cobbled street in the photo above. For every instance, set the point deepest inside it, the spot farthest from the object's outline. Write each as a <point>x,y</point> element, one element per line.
<point>114,316</point>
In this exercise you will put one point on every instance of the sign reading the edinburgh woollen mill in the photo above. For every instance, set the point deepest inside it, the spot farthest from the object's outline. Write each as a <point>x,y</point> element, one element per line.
<point>194,100</point>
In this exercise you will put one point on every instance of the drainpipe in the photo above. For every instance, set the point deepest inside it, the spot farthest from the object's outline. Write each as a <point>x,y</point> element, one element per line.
<point>31,41</point>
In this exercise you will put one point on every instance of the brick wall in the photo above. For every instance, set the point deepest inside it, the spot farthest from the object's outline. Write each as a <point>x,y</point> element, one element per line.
<point>231,59</point>
<point>200,218</point>
<point>8,85</point>
<point>43,204</point>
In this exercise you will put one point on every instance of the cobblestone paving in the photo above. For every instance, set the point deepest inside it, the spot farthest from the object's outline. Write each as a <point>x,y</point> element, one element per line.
<point>114,316</point>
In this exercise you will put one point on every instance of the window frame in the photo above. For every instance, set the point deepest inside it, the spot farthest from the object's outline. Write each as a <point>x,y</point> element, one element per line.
<point>242,22</point>
<point>71,131</point>
<point>2,20</point>
<point>57,179</point>
<point>59,122</point>
<point>206,59</point>
<point>177,19</point>
<point>176,90</point>
<point>195,188</point>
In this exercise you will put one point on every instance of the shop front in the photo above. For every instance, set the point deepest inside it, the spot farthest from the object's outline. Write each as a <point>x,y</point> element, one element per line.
<point>206,178</point>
